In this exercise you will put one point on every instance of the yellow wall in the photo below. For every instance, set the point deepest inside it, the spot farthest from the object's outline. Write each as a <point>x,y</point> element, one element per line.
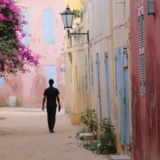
<point>76,49</point>
<point>74,4</point>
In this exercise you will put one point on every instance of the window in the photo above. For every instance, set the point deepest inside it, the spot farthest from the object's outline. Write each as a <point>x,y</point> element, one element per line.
<point>141,51</point>
<point>26,28</point>
<point>1,81</point>
<point>48,26</point>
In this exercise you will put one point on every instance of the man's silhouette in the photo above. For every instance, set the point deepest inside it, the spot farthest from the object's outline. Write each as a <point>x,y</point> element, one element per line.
<point>51,94</point>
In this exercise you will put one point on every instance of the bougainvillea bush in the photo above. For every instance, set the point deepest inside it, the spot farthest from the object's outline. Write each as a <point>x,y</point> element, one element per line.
<point>14,55</point>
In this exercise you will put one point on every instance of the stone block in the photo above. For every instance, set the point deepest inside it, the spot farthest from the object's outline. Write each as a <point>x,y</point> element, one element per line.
<point>86,136</point>
<point>119,157</point>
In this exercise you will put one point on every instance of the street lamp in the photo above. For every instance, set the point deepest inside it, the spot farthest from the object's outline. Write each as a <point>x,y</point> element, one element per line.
<point>68,18</point>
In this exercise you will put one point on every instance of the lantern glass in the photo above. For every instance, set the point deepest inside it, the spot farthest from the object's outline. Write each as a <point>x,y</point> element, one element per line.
<point>70,20</point>
<point>67,18</point>
<point>64,19</point>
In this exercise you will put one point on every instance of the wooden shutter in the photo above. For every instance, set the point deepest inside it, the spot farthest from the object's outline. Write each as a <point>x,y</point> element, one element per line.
<point>26,28</point>
<point>2,81</point>
<point>48,26</point>
<point>141,52</point>
<point>86,72</point>
<point>116,71</point>
<point>92,75</point>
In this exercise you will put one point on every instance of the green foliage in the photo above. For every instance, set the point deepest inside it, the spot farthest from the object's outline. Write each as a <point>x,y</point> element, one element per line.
<point>83,130</point>
<point>105,144</point>
<point>92,145</point>
<point>107,138</point>
<point>77,13</point>
<point>89,119</point>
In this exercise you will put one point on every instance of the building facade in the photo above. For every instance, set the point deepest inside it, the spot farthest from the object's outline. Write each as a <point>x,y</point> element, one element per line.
<point>145,48</point>
<point>110,67</point>
<point>77,65</point>
<point>103,69</point>
<point>47,38</point>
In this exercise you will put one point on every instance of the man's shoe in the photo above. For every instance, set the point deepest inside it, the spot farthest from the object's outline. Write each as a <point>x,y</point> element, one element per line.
<point>51,131</point>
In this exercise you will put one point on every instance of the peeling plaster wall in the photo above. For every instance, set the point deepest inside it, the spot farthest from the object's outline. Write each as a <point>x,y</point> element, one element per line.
<point>75,50</point>
<point>29,87</point>
<point>109,30</point>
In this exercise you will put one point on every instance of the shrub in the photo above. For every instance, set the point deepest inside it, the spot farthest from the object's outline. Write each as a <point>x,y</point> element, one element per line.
<point>89,119</point>
<point>14,55</point>
<point>105,144</point>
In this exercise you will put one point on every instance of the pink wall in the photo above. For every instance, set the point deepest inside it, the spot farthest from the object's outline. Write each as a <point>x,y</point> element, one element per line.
<point>146,109</point>
<point>29,87</point>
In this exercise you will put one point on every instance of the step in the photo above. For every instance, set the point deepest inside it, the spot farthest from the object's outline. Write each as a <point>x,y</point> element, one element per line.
<point>119,157</point>
<point>86,136</point>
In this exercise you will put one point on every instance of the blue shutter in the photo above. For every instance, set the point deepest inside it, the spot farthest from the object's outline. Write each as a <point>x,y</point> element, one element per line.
<point>86,72</point>
<point>26,28</point>
<point>48,26</point>
<point>126,96</point>
<point>107,84</point>
<point>92,75</point>
<point>116,71</point>
<point>1,81</point>
<point>121,97</point>
<point>51,74</point>
<point>99,88</point>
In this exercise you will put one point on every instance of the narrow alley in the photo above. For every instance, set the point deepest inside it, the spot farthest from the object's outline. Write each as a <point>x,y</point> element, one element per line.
<point>24,136</point>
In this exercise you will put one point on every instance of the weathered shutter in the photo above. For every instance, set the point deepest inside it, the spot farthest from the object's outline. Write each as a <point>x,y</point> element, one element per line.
<point>26,28</point>
<point>141,52</point>
<point>86,72</point>
<point>92,75</point>
<point>48,26</point>
<point>116,71</point>
<point>2,81</point>
<point>108,96</point>
<point>51,74</point>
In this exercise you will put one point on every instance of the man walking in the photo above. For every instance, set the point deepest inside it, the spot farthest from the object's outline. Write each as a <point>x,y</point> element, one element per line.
<point>51,94</point>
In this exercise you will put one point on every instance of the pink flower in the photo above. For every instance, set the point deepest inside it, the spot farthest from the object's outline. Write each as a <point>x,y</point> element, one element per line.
<point>24,22</point>
<point>2,16</point>
<point>17,28</point>
<point>23,35</point>
<point>10,17</point>
<point>17,39</point>
<point>12,8</point>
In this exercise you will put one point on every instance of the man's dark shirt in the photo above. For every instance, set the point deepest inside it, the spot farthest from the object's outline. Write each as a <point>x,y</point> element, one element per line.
<point>51,93</point>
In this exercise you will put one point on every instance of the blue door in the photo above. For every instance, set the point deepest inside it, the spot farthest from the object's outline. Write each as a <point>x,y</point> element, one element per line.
<point>123,88</point>
<point>126,96</point>
<point>107,84</point>
<point>121,97</point>
<point>99,88</point>
<point>51,74</point>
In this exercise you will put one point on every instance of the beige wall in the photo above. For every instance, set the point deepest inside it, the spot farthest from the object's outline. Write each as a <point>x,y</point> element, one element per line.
<point>109,30</point>
<point>108,25</point>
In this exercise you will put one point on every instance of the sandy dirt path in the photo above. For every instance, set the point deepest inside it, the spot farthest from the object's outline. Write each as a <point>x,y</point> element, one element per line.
<point>24,136</point>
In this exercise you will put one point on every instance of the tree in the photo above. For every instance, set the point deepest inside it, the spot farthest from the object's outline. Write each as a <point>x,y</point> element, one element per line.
<point>14,55</point>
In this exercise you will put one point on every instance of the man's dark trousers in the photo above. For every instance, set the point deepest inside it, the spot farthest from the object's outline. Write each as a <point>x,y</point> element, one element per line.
<point>51,112</point>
